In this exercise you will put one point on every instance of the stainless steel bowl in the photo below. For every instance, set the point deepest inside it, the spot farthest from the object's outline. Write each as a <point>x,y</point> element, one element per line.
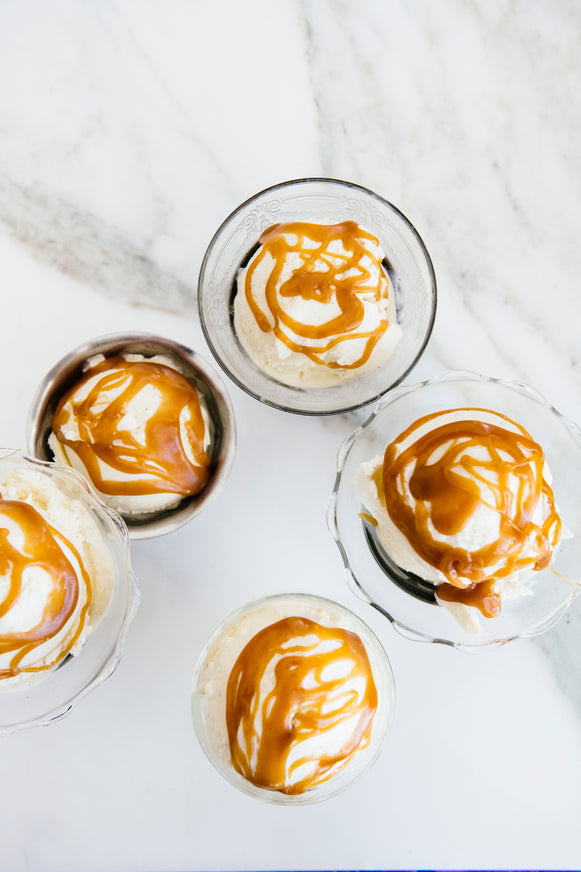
<point>199,373</point>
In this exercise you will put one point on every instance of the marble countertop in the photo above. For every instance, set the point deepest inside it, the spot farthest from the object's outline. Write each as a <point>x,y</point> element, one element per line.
<point>128,131</point>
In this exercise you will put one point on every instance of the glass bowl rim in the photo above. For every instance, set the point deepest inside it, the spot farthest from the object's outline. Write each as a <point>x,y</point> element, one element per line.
<point>350,407</point>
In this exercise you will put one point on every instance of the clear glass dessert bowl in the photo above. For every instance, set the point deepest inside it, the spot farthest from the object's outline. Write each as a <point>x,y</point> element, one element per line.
<point>206,382</point>
<point>41,698</point>
<point>326,202</point>
<point>407,600</point>
<point>313,706</point>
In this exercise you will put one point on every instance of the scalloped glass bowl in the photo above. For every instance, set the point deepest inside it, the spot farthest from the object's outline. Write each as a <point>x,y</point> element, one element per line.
<point>325,201</point>
<point>214,741</point>
<point>410,613</point>
<point>198,372</point>
<point>54,695</point>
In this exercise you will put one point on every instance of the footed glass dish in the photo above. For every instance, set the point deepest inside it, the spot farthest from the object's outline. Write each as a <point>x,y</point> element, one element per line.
<point>408,601</point>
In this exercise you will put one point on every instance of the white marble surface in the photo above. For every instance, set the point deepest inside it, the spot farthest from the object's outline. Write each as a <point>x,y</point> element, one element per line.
<point>128,131</point>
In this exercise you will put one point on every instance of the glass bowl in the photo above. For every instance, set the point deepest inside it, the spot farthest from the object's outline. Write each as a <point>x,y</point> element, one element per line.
<point>325,201</point>
<point>198,372</point>
<point>219,656</point>
<point>45,700</point>
<point>409,602</point>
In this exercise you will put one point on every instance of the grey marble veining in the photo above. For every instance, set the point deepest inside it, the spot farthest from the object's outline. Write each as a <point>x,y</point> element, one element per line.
<point>461,127</point>
<point>90,250</point>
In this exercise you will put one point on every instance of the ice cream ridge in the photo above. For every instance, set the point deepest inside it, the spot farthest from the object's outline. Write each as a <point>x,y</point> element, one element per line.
<point>300,704</point>
<point>138,430</point>
<point>462,498</point>
<point>55,577</point>
<point>314,304</point>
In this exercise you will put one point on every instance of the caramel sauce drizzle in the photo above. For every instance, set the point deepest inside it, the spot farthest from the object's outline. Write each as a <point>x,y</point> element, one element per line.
<point>162,457</point>
<point>447,493</point>
<point>323,276</point>
<point>365,516</point>
<point>302,704</point>
<point>41,548</point>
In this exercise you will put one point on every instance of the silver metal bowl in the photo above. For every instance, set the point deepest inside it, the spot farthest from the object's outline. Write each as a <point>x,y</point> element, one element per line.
<point>198,372</point>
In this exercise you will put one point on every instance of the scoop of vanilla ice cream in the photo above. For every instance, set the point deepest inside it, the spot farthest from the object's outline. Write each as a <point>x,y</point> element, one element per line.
<point>480,530</point>
<point>299,293</point>
<point>28,587</point>
<point>303,760</point>
<point>221,657</point>
<point>137,413</point>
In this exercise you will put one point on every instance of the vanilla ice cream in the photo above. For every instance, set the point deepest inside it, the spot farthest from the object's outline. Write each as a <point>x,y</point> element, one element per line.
<point>462,499</point>
<point>138,430</point>
<point>292,694</point>
<point>314,305</point>
<point>56,575</point>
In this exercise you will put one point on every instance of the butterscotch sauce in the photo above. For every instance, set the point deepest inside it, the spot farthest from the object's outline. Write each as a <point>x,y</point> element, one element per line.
<point>481,595</point>
<point>156,453</point>
<point>270,726</point>
<point>41,549</point>
<point>365,516</point>
<point>448,484</point>
<point>324,276</point>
